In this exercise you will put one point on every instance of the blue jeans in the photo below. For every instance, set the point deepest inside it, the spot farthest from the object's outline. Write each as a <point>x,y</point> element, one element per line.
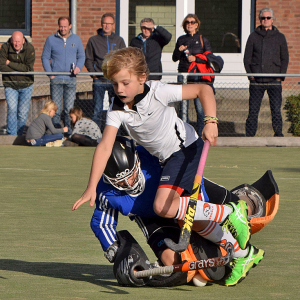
<point>63,89</point>
<point>257,90</point>
<point>184,110</point>
<point>46,139</point>
<point>184,115</point>
<point>99,88</point>
<point>18,104</point>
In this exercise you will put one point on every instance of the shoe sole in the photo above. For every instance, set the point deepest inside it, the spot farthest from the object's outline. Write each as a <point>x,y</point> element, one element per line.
<point>256,262</point>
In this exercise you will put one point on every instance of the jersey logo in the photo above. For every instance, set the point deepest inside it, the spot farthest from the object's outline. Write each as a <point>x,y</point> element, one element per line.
<point>206,209</point>
<point>149,114</point>
<point>165,178</point>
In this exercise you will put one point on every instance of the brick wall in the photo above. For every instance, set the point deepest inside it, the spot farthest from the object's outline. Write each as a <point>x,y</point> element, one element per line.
<point>287,16</point>
<point>45,14</point>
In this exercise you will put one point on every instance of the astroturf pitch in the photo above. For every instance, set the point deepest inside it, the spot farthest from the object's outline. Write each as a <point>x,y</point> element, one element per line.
<point>49,252</point>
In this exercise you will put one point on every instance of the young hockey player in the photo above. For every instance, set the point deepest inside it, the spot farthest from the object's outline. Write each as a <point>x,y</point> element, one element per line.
<point>143,109</point>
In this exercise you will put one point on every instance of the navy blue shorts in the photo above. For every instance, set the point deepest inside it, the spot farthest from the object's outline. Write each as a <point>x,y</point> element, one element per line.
<point>180,169</point>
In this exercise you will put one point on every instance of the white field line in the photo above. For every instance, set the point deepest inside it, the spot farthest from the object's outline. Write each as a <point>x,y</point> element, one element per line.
<point>17,169</point>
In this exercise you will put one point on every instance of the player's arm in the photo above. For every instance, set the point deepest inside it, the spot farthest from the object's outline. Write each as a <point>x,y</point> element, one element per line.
<point>100,159</point>
<point>206,96</point>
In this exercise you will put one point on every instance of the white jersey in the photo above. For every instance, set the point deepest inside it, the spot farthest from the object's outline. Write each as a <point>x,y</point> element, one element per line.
<point>151,122</point>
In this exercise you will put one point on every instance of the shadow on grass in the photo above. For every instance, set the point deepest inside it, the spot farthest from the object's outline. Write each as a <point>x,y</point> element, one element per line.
<point>289,170</point>
<point>96,274</point>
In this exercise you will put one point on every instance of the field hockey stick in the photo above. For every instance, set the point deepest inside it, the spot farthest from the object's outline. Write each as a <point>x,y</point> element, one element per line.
<point>188,221</point>
<point>192,265</point>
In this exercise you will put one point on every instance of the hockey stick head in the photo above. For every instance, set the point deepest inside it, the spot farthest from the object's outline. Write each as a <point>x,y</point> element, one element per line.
<point>183,242</point>
<point>186,229</point>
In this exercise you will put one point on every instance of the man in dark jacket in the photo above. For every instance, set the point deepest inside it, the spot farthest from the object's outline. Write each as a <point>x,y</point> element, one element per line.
<point>99,45</point>
<point>17,55</point>
<point>266,52</point>
<point>151,40</point>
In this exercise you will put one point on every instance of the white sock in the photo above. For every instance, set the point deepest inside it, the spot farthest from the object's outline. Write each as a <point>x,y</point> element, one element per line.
<point>215,233</point>
<point>204,211</point>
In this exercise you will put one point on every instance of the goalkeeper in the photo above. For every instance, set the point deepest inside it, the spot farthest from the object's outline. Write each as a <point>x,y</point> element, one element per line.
<point>129,185</point>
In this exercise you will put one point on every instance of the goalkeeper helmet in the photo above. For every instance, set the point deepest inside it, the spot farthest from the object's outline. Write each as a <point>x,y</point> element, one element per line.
<point>123,168</point>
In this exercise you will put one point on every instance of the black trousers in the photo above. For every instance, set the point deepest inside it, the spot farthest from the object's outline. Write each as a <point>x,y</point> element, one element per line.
<point>257,90</point>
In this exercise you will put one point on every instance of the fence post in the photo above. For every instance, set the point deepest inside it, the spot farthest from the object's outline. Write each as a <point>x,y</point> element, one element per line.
<point>184,106</point>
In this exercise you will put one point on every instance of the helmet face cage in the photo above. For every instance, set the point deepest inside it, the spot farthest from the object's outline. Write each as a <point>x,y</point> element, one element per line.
<point>121,181</point>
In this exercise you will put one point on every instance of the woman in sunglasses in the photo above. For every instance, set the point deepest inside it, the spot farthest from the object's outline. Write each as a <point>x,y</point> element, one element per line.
<point>186,49</point>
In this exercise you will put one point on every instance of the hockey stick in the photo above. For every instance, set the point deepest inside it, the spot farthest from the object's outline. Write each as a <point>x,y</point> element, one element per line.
<point>192,265</point>
<point>188,221</point>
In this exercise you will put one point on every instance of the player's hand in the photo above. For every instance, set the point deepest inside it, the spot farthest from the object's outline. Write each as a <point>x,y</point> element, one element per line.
<point>88,195</point>
<point>210,133</point>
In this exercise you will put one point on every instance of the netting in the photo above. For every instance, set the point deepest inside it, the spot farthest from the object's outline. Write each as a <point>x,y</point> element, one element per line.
<point>232,97</point>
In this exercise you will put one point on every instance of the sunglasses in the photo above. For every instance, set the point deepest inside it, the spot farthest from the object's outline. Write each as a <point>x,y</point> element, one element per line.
<point>190,22</point>
<point>268,18</point>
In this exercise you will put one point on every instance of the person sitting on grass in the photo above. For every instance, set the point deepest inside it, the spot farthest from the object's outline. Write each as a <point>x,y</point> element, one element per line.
<point>85,131</point>
<point>42,132</point>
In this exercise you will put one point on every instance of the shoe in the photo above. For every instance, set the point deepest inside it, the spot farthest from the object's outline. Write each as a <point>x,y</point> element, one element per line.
<point>50,144</point>
<point>241,266</point>
<point>58,143</point>
<point>238,224</point>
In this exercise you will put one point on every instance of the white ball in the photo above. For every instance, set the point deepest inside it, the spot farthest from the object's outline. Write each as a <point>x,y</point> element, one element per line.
<point>198,280</point>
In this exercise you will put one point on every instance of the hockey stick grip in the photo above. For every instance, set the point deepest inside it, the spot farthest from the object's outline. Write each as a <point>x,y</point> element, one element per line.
<point>202,160</point>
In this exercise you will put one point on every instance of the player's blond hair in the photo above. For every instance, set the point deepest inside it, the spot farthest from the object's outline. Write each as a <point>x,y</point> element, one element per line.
<point>131,58</point>
<point>49,105</point>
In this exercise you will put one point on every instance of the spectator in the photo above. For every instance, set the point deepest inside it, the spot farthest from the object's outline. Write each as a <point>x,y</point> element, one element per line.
<point>151,40</point>
<point>17,55</point>
<point>187,48</point>
<point>85,132</point>
<point>63,52</point>
<point>266,52</point>
<point>41,131</point>
<point>99,45</point>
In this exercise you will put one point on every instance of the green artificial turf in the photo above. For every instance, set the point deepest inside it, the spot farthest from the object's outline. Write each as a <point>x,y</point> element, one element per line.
<point>49,252</point>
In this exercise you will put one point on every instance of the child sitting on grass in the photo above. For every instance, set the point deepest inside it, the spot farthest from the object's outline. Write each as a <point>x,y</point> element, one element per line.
<point>85,132</point>
<point>42,132</point>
